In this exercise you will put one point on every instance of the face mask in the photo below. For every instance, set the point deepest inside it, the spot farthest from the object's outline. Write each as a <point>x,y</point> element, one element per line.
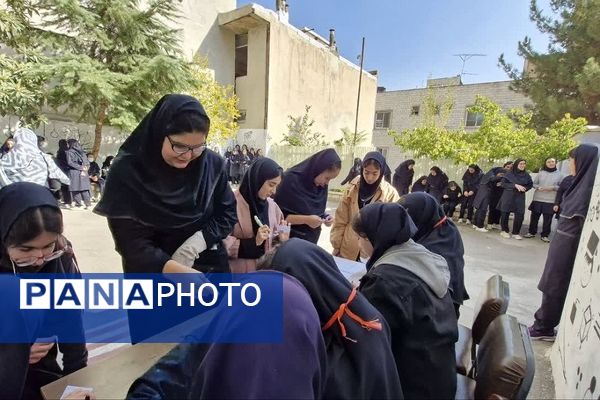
<point>90,159</point>
<point>44,145</point>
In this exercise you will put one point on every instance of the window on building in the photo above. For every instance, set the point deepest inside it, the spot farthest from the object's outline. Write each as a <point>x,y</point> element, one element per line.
<point>382,119</point>
<point>473,119</point>
<point>241,117</point>
<point>241,55</point>
<point>414,110</point>
<point>383,151</point>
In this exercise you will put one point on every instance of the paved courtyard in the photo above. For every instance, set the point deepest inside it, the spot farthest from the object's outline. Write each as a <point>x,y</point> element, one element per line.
<point>519,262</point>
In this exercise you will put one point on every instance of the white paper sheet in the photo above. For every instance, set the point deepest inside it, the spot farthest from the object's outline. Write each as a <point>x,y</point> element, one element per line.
<point>352,270</point>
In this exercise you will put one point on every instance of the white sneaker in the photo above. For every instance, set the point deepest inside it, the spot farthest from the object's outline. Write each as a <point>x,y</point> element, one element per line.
<point>518,237</point>
<point>474,226</point>
<point>460,221</point>
<point>480,229</point>
<point>489,227</point>
<point>497,226</point>
<point>505,235</point>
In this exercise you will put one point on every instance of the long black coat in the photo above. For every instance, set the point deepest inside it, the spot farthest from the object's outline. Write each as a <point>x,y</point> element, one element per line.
<point>425,352</point>
<point>78,163</point>
<point>513,201</point>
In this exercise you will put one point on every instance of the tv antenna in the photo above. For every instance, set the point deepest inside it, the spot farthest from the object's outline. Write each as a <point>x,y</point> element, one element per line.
<point>466,57</point>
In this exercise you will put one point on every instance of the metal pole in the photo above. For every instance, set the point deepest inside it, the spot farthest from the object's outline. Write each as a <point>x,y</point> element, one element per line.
<point>362,57</point>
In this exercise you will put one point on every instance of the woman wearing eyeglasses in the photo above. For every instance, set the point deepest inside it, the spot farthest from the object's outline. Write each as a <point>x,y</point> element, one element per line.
<point>166,188</point>
<point>31,241</point>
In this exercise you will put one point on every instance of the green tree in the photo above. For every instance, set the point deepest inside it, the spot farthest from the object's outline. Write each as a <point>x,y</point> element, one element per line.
<point>348,138</point>
<point>22,84</point>
<point>566,79</point>
<point>300,132</point>
<point>220,102</point>
<point>501,136</point>
<point>109,60</point>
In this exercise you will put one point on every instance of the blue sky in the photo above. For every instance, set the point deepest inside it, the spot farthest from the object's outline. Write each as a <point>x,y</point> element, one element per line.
<point>408,41</point>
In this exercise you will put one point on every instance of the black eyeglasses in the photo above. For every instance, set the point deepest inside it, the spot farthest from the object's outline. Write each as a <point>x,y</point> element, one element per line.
<point>182,148</point>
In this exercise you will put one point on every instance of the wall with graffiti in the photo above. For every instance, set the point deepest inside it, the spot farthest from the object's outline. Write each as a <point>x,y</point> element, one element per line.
<point>576,352</point>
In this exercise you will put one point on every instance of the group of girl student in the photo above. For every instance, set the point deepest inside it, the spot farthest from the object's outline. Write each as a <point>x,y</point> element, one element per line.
<point>238,160</point>
<point>369,188</point>
<point>323,354</point>
<point>260,220</point>
<point>31,241</point>
<point>302,195</point>
<point>338,341</point>
<point>554,283</point>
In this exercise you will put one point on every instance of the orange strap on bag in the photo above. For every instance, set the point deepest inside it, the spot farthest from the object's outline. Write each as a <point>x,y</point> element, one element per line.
<point>440,222</point>
<point>337,316</point>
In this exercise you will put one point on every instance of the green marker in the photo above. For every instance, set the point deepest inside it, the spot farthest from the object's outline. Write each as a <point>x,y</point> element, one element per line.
<point>257,220</point>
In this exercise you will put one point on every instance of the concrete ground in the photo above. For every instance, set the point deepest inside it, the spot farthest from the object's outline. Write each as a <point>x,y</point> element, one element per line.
<point>520,263</point>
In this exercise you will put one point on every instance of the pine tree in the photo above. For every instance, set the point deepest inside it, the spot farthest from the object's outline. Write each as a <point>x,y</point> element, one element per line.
<point>566,79</point>
<point>108,61</point>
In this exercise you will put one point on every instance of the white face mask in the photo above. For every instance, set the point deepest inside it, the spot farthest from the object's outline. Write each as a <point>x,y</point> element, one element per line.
<point>90,159</point>
<point>44,145</point>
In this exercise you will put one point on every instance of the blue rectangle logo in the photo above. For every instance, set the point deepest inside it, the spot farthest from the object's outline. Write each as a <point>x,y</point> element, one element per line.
<point>132,308</point>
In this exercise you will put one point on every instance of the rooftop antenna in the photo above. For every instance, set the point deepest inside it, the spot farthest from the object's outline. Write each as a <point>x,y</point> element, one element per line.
<point>466,57</point>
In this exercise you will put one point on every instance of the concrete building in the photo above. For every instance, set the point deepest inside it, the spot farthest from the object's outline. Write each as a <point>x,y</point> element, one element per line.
<point>276,69</point>
<point>399,110</point>
<point>280,69</point>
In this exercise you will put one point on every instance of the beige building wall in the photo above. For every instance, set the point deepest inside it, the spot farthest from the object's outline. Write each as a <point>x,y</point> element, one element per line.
<point>201,33</point>
<point>287,70</point>
<point>252,88</point>
<point>303,72</point>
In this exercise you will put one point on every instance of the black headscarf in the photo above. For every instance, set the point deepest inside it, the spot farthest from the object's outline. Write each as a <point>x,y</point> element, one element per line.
<point>472,178</point>
<point>17,198</point>
<point>386,225</point>
<point>405,174</point>
<point>418,186</point>
<point>576,199</point>
<point>517,176</point>
<point>545,167</point>
<point>440,238</point>
<point>107,162</point>
<point>298,194</point>
<point>75,153</point>
<point>439,181</point>
<point>259,172</point>
<point>366,191</point>
<point>143,187</point>
<point>363,367</point>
